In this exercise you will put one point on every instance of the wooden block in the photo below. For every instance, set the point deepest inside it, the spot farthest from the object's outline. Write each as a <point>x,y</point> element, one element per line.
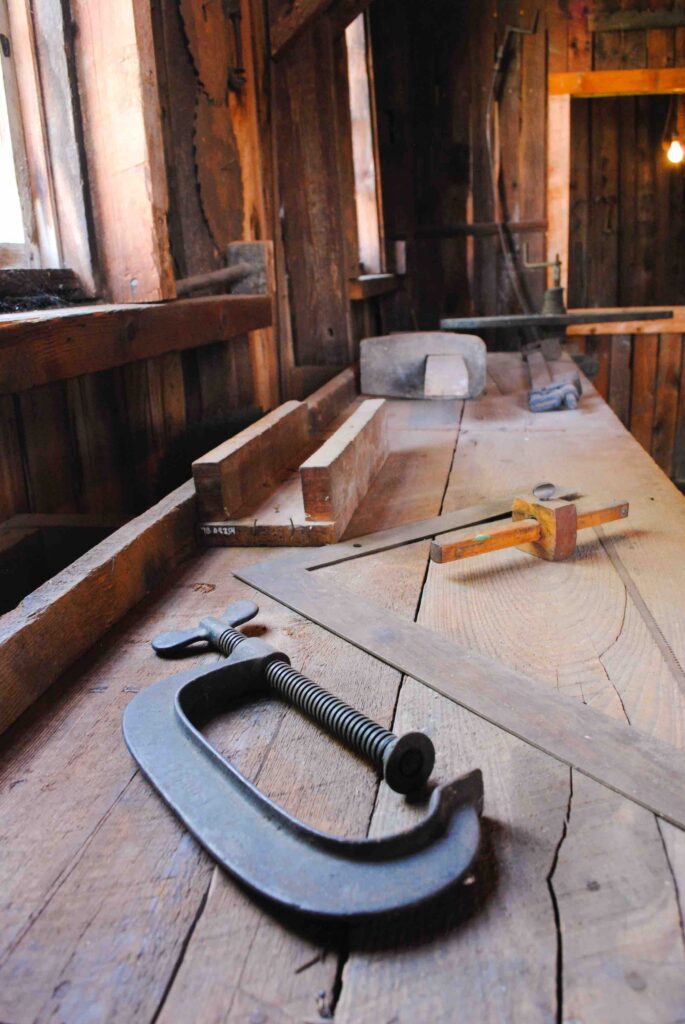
<point>234,476</point>
<point>337,476</point>
<point>446,377</point>
<point>328,401</point>
<point>558,527</point>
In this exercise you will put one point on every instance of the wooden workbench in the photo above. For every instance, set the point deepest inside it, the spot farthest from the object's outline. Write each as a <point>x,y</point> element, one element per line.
<point>111,912</point>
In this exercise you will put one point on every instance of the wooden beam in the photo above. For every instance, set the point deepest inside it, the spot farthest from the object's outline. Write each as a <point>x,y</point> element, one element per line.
<point>297,15</point>
<point>60,621</point>
<point>39,348</point>
<point>338,475</point>
<point>630,82</point>
<point>117,80</point>
<point>558,182</point>
<point>327,403</point>
<point>631,21</point>
<point>628,326</point>
<point>232,478</point>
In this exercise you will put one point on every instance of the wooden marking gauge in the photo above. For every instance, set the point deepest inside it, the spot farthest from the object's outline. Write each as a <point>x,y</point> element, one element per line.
<point>546,529</point>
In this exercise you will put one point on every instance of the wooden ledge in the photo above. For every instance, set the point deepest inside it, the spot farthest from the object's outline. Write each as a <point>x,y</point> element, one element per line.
<point>369,285</point>
<point>48,345</point>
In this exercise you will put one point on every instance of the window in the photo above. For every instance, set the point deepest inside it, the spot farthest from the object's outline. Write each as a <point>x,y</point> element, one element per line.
<point>41,225</point>
<point>366,180</point>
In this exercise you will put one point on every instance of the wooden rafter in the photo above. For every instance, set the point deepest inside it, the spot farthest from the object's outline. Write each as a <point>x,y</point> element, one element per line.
<point>629,82</point>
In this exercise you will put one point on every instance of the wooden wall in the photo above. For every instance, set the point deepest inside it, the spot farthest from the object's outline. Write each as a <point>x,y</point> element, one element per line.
<point>627,223</point>
<point>434,64</point>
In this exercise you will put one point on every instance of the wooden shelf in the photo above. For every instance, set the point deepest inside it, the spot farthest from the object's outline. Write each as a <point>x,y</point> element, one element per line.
<point>369,285</point>
<point>41,347</point>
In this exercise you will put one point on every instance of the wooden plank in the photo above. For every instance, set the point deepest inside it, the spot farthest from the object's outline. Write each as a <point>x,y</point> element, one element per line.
<point>336,477</point>
<point>631,82</point>
<point>666,401</point>
<point>579,211</point>
<point>52,474</point>
<point>620,376</point>
<point>636,20</point>
<point>601,260</point>
<point>643,394</point>
<point>232,477</point>
<point>675,324</point>
<point>579,37</point>
<point>192,246</point>
<point>13,493</point>
<point>62,619</point>
<point>633,40</point>
<point>311,223</point>
<point>39,348</point>
<point>117,82</point>
<point>327,403</point>
<point>558,181</point>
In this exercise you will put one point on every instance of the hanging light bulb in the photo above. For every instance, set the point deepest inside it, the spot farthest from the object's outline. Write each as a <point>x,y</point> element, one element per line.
<point>675,152</point>
<point>673,147</point>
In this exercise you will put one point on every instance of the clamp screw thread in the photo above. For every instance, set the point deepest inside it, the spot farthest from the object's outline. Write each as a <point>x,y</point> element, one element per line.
<point>405,762</point>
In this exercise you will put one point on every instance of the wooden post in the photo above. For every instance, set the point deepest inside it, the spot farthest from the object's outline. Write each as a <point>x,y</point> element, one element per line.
<point>117,80</point>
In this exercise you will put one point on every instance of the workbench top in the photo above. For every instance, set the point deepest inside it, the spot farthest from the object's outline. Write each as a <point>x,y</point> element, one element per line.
<point>111,912</point>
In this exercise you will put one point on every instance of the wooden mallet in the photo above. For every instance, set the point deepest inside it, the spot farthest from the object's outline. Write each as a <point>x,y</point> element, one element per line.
<point>547,529</point>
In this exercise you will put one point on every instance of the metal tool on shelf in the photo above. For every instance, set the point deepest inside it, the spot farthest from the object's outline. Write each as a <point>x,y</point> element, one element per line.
<point>257,841</point>
<point>554,379</point>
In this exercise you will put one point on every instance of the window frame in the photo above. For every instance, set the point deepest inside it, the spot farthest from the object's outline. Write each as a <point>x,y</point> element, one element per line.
<point>43,111</point>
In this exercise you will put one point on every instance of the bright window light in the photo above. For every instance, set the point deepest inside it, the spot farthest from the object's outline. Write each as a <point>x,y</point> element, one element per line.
<point>11,220</point>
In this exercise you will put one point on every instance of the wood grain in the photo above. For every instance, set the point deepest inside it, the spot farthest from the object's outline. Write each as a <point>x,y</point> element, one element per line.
<point>122,127</point>
<point>38,348</point>
<point>630,82</point>
<point>336,477</point>
<point>232,478</point>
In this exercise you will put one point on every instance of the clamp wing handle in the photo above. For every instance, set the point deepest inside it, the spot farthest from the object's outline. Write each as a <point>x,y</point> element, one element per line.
<point>177,641</point>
